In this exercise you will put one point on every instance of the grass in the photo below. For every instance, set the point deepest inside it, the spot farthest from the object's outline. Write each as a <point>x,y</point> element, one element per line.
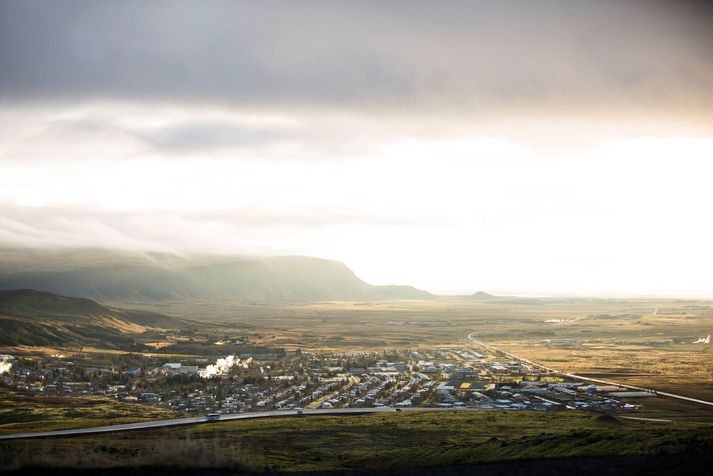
<point>25,413</point>
<point>373,442</point>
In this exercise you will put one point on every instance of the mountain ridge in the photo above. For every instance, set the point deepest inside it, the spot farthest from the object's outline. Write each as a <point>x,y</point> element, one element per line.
<point>109,275</point>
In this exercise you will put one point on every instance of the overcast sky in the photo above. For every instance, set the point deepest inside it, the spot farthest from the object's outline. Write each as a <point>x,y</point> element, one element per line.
<point>533,147</point>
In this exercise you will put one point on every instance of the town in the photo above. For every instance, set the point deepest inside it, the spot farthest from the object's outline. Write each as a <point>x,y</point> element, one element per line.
<point>438,377</point>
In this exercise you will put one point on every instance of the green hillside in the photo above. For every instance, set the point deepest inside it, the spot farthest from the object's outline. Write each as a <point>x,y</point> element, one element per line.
<point>113,275</point>
<point>37,318</point>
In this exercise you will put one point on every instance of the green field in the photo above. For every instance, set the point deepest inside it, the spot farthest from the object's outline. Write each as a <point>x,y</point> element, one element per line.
<point>373,442</point>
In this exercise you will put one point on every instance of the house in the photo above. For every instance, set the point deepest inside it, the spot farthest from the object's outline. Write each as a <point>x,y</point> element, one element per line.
<point>445,388</point>
<point>98,370</point>
<point>177,368</point>
<point>465,374</point>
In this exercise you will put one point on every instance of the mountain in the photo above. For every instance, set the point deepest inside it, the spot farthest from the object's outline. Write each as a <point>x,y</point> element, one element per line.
<point>108,275</point>
<point>483,296</point>
<point>30,317</point>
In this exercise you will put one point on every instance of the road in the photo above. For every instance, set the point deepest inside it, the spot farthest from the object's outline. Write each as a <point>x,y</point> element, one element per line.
<point>153,425</point>
<point>586,379</point>
<point>353,380</point>
<point>148,425</point>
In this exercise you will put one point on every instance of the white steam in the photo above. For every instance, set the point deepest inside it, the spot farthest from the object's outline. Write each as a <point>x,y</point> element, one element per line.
<point>5,366</point>
<point>223,366</point>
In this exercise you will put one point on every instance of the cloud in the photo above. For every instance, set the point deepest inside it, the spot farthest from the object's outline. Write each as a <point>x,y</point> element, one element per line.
<point>237,231</point>
<point>474,58</point>
<point>206,135</point>
<point>491,140</point>
<point>100,131</point>
<point>182,135</point>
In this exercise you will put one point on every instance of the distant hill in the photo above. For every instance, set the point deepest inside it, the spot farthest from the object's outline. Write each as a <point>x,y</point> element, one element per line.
<point>112,275</point>
<point>29,317</point>
<point>483,296</point>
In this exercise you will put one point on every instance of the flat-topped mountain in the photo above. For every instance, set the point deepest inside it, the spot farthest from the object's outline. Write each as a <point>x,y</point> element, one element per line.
<point>113,275</point>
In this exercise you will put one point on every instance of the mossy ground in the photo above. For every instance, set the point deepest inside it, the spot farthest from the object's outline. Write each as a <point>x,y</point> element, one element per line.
<point>376,442</point>
<point>27,413</point>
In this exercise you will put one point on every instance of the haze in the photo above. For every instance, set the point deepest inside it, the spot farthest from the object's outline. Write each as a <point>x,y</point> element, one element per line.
<point>540,147</point>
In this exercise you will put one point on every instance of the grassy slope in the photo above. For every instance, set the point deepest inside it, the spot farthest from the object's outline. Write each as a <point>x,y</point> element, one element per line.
<point>29,317</point>
<point>24,413</point>
<point>400,440</point>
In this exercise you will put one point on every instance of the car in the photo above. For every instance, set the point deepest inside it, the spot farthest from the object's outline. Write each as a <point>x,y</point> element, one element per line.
<point>398,409</point>
<point>212,417</point>
<point>300,411</point>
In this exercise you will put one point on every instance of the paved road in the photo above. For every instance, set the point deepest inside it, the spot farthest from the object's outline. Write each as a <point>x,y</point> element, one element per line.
<point>191,421</point>
<point>656,420</point>
<point>586,379</point>
<point>152,425</point>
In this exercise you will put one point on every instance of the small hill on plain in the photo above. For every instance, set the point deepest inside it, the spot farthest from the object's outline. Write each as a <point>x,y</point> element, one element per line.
<point>483,296</point>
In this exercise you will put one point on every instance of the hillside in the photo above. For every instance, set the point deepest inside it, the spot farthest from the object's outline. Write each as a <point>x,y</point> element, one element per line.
<point>29,317</point>
<point>111,275</point>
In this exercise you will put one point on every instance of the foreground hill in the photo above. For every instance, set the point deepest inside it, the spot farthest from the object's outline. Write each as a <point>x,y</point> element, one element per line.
<point>411,443</point>
<point>111,275</point>
<point>37,318</point>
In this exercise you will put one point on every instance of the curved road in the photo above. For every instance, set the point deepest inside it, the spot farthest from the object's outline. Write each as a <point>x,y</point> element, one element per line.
<point>153,425</point>
<point>587,379</point>
<point>190,421</point>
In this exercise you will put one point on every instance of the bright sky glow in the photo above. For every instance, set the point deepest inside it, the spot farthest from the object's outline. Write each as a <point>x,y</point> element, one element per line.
<point>448,214</point>
<point>571,156</point>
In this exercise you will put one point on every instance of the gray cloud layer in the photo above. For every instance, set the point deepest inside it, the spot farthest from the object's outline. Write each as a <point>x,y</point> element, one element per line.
<point>445,55</point>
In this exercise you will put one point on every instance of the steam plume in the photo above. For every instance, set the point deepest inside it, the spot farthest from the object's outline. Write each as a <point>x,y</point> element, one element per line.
<point>5,366</point>
<point>223,366</point>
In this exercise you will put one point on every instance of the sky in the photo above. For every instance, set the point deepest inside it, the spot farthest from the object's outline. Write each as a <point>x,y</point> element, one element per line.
<point>544,147</point>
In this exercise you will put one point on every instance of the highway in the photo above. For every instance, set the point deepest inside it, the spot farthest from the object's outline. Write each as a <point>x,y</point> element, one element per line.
<point>148,425</point>
<point>156,424</point>
<point>586,379</point>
